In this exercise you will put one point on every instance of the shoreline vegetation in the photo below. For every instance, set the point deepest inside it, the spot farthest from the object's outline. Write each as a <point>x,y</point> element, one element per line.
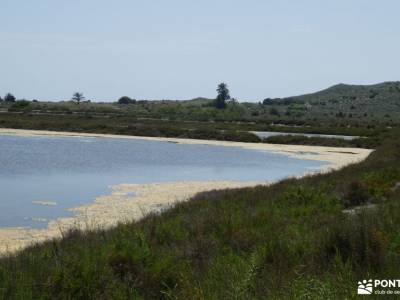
<point>107,211</point>
<point>345,108</point>
<point>126,203</point>
<point>313,236</point>
<point>292,239</point>
<point>126,124</point>
<point>197,119</point>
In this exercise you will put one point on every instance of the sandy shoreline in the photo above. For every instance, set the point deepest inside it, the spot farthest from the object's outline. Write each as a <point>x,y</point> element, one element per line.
<point>336,157</point>
<point>129,202</point>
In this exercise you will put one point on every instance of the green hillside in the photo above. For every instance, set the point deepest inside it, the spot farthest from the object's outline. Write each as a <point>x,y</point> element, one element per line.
<point>384,96</point>
<point>379,101</point>
<point>346,92</point>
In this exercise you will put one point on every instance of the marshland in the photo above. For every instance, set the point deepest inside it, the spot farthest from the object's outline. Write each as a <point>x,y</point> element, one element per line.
<point>199,150</point>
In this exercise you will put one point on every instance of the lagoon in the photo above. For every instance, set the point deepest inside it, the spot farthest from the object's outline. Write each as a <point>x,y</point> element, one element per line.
<point>41,177</point>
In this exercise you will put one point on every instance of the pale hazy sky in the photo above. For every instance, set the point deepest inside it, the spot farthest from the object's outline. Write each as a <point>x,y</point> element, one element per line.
<point>180,49</point>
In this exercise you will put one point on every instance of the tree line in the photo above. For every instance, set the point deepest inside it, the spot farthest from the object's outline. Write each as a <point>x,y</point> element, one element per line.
<point>220,102</point>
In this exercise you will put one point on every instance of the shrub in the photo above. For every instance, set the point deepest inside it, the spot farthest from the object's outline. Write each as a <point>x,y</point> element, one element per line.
<point>9,98</point>
<point>356,193</point>
<point>126,100</point>
<point>273,111</point>
<point>357,240</point>
<point>21,103</point>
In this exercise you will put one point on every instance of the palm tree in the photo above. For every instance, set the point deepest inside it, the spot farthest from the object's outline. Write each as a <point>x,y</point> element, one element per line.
<point>223,95</point>
<point>78,97</point>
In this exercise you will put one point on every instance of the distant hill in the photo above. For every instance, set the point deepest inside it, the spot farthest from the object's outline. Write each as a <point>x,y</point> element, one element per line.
<point>199,101</point>
<point>378,101</point>
<point>387,92</point>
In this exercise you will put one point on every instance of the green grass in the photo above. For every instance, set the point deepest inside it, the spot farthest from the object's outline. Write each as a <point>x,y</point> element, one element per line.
<point>230,131</point>
<point>125,125</point>
<point>290,240</point>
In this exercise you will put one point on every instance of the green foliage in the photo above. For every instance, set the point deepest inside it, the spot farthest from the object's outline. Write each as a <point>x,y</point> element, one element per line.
<point>77,97</point>
<point>289,240</point>
<point>18,105</point>
<point>126,100</point>
<point>223,96</point>
<point>356,194</point>
<point>95,123</point>
<point>9,98</point>
<point>381,183</point>
<point>268,101</point>
<point>343,107</point>
<point>273,111</point>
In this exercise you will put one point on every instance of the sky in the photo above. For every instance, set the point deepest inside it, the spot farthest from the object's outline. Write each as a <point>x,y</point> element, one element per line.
<point>181,49</point>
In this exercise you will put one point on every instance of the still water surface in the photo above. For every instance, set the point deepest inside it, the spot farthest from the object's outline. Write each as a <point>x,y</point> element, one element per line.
<point>267,134</point>
<point>74,170</point>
